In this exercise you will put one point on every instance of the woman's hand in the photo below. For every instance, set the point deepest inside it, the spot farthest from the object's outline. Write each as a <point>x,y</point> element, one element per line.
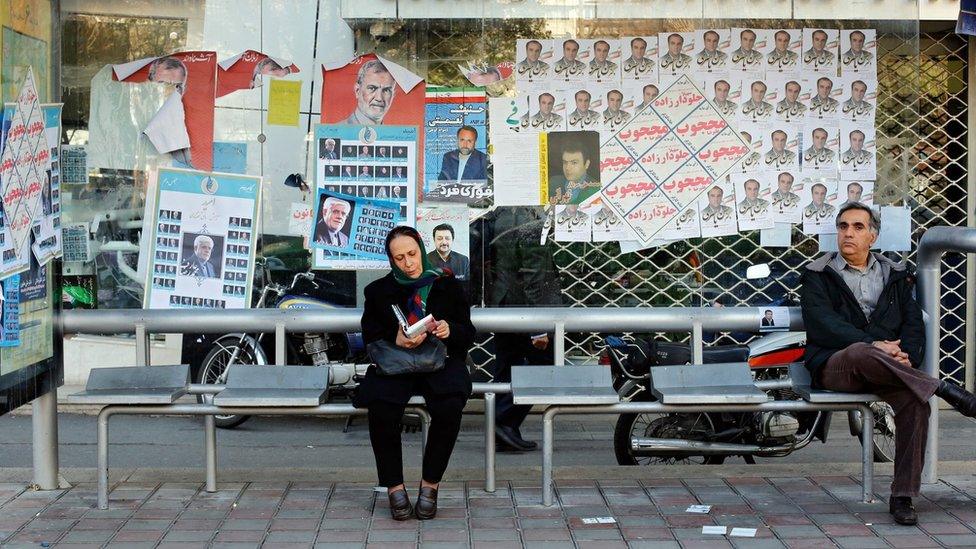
<point>443,330</point>
<point>410,342</point>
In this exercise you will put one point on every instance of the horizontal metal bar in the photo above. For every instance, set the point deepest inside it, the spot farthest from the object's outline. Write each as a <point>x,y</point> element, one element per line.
<point>499,320</point>
<point>658,407</point>
<point>476,388</point>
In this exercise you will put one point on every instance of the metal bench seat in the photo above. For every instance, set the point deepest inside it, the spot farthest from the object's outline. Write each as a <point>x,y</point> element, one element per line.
<point>257,386</point>
<point>134,385</point>
<point>803,385</point>
<point>724,383</point>
<point>562,385</point>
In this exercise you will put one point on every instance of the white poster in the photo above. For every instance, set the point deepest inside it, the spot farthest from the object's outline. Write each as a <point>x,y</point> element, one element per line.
<point>640,55</point>
<point>675,50</point>
<point>724,92</point>
<point>859,52</point>
<point>820,50</point>
<point>534,58</point>
<point>793,96</point>
<point>602,57</point>
<point>568,66</point>
<point>756,107</point>
<point>573,224</point>
<point>717,210</point>
<point>785,200</point>
<point>514,155</point>
<point>820,210</point>
<point>825,93</point>
<point>858,146</point>
<point>856,191</point>
<point>203,239</point>
<point>784,55</point>
<point>748,50</point>
<point>752,202</point>
<point>859,95</point>
<point>585,104</point>
<point>820,156</point>
<point>784,147</point>
<point>712,55</point>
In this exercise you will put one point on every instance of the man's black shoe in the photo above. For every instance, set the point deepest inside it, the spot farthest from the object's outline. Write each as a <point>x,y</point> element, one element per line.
<point>902,509</point>
<point>508,440</point>
<point>529,444</point>
<point>957,397</point>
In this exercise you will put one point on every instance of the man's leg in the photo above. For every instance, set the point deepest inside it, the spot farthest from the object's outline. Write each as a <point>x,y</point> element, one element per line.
<point>863,366</point>
<point>510,350</point>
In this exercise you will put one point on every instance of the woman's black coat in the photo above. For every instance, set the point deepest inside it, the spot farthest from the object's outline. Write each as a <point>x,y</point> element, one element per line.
<point>446,301</point>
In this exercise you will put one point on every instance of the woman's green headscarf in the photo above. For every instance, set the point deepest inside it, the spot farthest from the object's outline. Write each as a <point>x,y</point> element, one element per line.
<point>417,305</point>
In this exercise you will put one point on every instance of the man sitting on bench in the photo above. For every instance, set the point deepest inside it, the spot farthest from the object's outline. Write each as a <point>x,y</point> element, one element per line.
<point>865,334</point>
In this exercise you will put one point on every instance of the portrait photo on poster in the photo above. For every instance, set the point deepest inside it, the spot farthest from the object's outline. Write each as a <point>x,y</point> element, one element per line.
<point>201,255</point>
<point>774,319</point>
<point>574,166</point>
<point>333,222</point>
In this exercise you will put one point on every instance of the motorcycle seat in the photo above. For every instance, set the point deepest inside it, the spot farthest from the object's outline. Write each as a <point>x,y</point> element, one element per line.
<point>725,353</point>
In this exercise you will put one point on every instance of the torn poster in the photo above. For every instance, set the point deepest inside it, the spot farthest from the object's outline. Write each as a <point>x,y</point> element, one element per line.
<point>191,77</point>
<point>246,70</point>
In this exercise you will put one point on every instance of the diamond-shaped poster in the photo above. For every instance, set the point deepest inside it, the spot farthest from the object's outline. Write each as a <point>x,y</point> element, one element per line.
<point>660,171</point>
<point>25,159</point>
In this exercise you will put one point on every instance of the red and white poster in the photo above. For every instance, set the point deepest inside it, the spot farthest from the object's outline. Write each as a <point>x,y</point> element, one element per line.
<point>187,116</point>
<point>245,71</point>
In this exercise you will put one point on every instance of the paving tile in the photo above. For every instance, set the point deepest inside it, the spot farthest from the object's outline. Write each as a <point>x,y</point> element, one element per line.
<point>494,535</point>
<point>860,542</point>
<point>391,535</point>
<point>341,536</point>
<point>910,541</point>
<point>444,534</point>
<point>957,540</point>
<point>846,530</point>
<point>290,537</point>
<point>239,535</point>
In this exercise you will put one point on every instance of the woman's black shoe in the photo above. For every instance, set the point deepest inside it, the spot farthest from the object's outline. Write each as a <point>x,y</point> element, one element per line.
<point>427,503</point>
<point>400,506</point>
<point>902,510</point>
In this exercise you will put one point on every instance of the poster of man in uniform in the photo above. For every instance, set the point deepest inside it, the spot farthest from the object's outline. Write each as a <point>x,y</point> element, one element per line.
<point>587,103</point>
<point>203,240</point>
<point>717,210</point>
<point>858,99</point>
<point>533,60</point>
<point>785,200</point>
<point>384,164</point>
<point>641,63</point>
<point>748,49</point>
<point>859,52</point>
<point>824,95</point>
<point>455,162</point>
<point>819,158</point>
<point>820,50</point>
<point>858,147</point>
<point>784,145</point>
<point>712,55</point>
<point>752,203</point>
<point>820,210</point>
<point>784,56</point>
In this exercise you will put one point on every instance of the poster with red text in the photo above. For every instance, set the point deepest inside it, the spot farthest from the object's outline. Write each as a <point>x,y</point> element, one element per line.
<point>659,164</point>
<point>190,77</point>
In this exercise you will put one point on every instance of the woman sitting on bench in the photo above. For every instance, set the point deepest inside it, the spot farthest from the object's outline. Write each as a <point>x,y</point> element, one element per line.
<point>419,289</point>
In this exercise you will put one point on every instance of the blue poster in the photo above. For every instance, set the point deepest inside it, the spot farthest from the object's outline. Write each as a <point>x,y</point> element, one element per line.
<point>353,225</point>
<point>455,163</point>
<point>10,312</point>
<point>228,157</point>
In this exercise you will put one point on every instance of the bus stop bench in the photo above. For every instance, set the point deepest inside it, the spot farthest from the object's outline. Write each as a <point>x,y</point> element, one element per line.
<point>678,389</point>
<point>251,390</point>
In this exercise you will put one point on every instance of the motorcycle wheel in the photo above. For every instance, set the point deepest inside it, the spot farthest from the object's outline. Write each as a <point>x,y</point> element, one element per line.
<point>213,367</point>
<point>686,426</point>
<point>883,438</point>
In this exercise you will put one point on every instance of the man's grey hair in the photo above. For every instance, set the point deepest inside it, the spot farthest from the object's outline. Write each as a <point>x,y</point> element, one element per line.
<point>875,217</point>
<point>202,238</point>
<point>374,65</point>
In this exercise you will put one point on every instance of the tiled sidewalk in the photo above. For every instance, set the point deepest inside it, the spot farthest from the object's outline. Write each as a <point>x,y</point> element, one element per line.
<point>812,512</point>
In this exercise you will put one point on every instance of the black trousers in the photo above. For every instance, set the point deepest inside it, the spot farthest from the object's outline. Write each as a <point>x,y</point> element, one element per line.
<point>863,367</point>
<point>515,350</point>
<point>384,435</point>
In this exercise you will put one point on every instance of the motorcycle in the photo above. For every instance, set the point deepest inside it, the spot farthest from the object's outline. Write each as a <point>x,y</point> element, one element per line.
<point>724,435</point>
<point>308,348</point>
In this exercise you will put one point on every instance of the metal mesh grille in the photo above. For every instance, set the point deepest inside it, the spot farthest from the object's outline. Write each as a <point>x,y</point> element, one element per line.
<point>922,161</point>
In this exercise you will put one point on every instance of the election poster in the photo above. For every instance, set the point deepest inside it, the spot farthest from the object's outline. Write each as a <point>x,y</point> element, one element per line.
<point>10,310</point>
<point>74,165</point>
<point>820,210</point>
<point>717,210</point>
<point>573,224</point>
<point>247,71</point>
<point>24,165</point>
<point>444,229</point>
<point>752,202</point>
<point>47,223</point>
<point>352,225</point>
<point>455,145</point>
<point>184,125</point>
<point>204,231</point>
<point>363,164</point>
<point>666,157</point>
<point>515,154</point>
<point>785,200</point>
<point>570,166</point>
<point>371,91</point>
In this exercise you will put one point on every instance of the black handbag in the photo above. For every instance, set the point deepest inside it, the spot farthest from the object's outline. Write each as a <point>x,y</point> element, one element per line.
<point>392,360</point>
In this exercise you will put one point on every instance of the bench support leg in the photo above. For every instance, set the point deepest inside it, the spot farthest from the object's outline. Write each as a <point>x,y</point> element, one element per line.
<point>489,442</point>
<point>547,443</point>
<point>102,443</point>
<point>867,454</point>
<point>210,442</point>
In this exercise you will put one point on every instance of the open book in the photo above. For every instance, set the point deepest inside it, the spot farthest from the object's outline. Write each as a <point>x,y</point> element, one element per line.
<point>425,324</point>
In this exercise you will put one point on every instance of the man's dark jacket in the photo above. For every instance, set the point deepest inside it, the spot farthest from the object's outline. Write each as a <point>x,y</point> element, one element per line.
<point>834,320</point>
